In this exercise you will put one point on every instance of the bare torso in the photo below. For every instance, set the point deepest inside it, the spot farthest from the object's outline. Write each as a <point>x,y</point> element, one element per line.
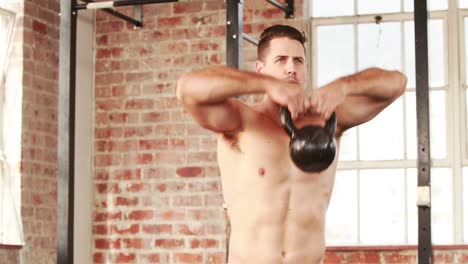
<point>277,212</point>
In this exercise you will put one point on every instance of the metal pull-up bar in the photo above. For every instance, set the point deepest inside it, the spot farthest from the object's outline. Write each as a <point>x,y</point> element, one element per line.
<point>234,28</point>
<point>111,4</point>
<point>288,8</point>
<point>423,132</point>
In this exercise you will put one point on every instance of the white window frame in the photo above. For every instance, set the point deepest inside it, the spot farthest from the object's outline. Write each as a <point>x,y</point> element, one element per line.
<point>9,184</point>
<point>456,133</point>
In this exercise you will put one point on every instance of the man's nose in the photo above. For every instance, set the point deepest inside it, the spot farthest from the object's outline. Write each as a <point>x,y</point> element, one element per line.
<point>290,68</point>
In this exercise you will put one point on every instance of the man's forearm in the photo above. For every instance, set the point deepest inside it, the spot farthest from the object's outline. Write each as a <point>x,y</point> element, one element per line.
<point>375,83</point>
<point>216,84</point>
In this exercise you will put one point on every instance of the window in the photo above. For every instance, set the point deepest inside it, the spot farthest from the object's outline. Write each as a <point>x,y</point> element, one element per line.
<point>374,199</point>
<point>10,223</point>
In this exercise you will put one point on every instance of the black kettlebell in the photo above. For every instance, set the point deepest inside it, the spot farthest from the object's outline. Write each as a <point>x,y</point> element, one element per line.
<point>312,148</point>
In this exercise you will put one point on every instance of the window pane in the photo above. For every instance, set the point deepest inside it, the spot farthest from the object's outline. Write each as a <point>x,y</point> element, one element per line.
<point>377,7</point>
<point>342,213</point>
<point>463,3</point>
<point>382,137</point>
<point>466,122</point>
<point>438,125</point>
<point>441,207</point>
<point>411,126</point>
<point>335,52</point>
<point>436,53</point>
<point>465,204</point>
<point>379,45</point>
<point>348,145</point>
<point>431,4</point>
<point>328,8</point>
<point>382,206</point>
<point>412,208</point>
<point>465,22</point>
<point>410,65</point>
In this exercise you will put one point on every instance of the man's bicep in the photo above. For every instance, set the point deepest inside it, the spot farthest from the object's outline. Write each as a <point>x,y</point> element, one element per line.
<point>220,118</point>
<point>357,110</point>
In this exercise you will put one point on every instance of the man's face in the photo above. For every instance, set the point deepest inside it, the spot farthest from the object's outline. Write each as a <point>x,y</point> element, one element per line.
<point>284,59</point>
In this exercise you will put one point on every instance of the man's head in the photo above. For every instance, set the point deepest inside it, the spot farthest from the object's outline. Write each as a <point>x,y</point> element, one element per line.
<point>281,54</point>
<point>277,31</point>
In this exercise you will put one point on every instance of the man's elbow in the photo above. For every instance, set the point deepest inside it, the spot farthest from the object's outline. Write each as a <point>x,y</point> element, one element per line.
<point>181,88</point>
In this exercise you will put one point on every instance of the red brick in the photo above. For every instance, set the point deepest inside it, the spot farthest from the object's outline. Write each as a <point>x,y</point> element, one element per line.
<point>123,258</point>
<point>187,200</point>
<point>155,117</point>
<point>170,187</point>
<point>99,257</point>
<point>190,172</point>
<point>125,201</point>
<point>393,258</point>
<point>140,215</point>
<point>39,27</point>
<point>126,174</point>
<point>107,243</point>
<point>158,229</point>
<point>108,188</point>
<point>138,187</point>
<point>190,7</point>
<point>124,229</point>
<point>443,257</point>
<point>204,243</point>
<point>153,144</point>
<point>142,131</point>
<point>216,258</point>
<point>188,257</point>
<point>100,229</point>
<point>171,22</point>
<point>168,243</point>
<point>136,243</point>
<point>363,257</point>
<point>170,215</point>
<point>155,258</point>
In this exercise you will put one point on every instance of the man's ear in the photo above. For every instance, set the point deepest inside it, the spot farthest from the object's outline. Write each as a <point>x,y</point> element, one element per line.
<point>258,66</point>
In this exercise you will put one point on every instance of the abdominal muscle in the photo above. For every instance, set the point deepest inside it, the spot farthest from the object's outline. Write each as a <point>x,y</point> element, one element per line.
<point>277,212</point>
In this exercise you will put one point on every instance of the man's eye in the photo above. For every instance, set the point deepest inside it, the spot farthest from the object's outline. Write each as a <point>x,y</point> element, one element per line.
<point>279,60</point>
<point>299,61</point>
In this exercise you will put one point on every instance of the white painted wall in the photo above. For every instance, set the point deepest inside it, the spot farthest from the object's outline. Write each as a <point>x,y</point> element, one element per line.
<point>84,139</point>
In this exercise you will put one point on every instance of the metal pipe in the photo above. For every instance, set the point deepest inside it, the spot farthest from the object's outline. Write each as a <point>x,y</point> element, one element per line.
<point>110,4</point>
<point>136,23</point>
<point>66,133</point>
<point>250,38</point>
<point>422,112</point>
<point>285,8</point>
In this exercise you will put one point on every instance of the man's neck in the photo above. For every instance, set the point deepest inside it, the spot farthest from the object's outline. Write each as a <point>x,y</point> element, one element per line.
<point>270,109</point>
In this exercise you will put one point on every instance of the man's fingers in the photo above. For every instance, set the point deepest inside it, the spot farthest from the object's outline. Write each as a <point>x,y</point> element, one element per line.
<point>293,109</point>
<point>313,103</point>
<point>306,104</point>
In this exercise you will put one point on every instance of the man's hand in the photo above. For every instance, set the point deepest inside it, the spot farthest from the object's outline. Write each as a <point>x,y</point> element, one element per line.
<point>291,95</point>
<point>325,99</point>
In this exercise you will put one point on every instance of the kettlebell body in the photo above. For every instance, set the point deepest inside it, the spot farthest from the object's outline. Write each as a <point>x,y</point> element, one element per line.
<point>311,148</point>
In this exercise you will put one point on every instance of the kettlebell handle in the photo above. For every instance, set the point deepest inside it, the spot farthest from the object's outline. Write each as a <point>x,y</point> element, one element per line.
<point>291,129</point>
<point>330,126</point>
<point>287,121</point>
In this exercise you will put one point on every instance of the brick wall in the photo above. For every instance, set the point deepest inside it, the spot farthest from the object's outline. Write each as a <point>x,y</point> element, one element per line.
<point>404,256</point>
<point>39,129</point>
<point>33,79</point>
<point>157,187</point>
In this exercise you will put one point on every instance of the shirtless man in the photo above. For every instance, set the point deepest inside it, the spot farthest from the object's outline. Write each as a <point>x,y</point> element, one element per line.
<point>277,211</point>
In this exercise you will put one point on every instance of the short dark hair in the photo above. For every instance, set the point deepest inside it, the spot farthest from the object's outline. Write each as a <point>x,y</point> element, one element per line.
<point>278,31</point>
